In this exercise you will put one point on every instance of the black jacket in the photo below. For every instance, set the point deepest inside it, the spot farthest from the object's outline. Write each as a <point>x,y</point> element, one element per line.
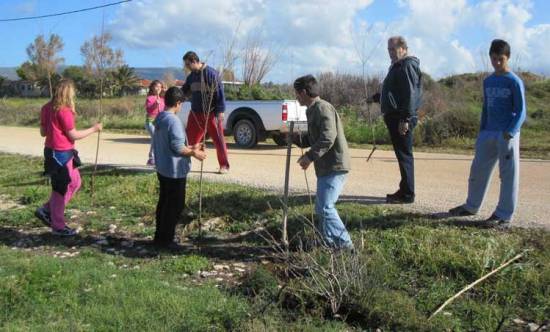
<point>402,89</point>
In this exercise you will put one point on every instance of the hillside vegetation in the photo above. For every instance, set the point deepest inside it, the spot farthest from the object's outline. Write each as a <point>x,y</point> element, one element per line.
<point>448,119</point>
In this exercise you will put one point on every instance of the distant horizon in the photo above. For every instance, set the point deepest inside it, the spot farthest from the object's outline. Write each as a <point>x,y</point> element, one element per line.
<point>178,73</point>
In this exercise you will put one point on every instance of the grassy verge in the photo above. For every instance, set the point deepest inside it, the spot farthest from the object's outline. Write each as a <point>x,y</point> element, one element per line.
<point>409,265</point>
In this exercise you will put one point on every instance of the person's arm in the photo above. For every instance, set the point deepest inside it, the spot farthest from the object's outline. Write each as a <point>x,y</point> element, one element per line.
<point>177,142</point>
<point>152,104</point>
<point>328,132</point>
<point>193,151</point>
<point>186,87</point>
<point>407,80</point>
<point>75,135</point>
<point>483,121</point>
<point>66,121</point>
<point>520,109</point>
<point>220,97</point>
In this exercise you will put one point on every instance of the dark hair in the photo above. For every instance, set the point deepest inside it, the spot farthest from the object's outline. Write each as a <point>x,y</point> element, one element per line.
<point>398,41</point>
<point>152,85</point>
<point>500,47</point>
<point>308,83</point>
<point>172,96</point>
<point>191,56</point>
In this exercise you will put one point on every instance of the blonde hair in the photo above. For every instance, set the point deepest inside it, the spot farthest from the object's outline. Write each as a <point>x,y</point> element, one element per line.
<point>64,95</point>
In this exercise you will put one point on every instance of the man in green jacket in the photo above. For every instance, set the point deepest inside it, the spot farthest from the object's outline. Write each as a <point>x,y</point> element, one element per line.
<point>330,155</point>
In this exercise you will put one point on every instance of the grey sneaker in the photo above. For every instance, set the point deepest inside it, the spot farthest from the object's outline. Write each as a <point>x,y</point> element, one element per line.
<point>67,231</point>
<point>43,215</point>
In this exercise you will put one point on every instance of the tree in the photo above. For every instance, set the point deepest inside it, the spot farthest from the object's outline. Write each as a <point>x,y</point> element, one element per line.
<point>257,61</point>
<point>44,56</point>
<point>85,84</point>
<point>99,56</point>
<point>124,79</point>
<point>100,59</point>
<point>169,79</point>
<point>28,71</point>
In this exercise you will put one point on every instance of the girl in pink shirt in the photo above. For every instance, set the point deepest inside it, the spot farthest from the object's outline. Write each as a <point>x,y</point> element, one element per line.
<point>57,124</point>
<point>154,104</point>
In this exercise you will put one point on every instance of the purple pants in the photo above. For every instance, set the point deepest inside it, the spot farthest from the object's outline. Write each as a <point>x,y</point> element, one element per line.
<point>56,204</point>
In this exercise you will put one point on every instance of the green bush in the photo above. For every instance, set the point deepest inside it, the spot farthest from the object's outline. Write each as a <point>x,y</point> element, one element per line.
<point>260,282</point>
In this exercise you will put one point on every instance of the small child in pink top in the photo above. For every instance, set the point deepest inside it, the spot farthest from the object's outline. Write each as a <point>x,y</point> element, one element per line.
<point>57,124</point>
<point>154,104</point>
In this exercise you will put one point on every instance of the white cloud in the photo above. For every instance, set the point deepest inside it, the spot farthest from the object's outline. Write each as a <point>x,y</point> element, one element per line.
<point>313,36</point>
<point>26,7</point>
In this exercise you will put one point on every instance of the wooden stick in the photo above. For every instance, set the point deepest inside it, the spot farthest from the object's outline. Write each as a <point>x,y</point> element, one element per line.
<point>287,176</point>
<point>475,283</point>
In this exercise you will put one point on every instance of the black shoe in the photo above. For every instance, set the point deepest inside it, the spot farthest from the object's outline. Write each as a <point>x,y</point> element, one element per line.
<point>399,198</point>
<point>460,211</point>
<point>172,246</point>
<point>496,222</point>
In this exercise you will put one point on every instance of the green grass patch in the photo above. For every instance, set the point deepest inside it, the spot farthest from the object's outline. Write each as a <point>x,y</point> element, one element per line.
<point>409,265</point>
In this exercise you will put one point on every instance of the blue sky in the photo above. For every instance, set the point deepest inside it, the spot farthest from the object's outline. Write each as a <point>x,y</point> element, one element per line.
<point>449,36</point>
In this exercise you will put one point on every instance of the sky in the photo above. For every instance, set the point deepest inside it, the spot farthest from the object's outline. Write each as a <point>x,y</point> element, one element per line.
<point>347,36</point>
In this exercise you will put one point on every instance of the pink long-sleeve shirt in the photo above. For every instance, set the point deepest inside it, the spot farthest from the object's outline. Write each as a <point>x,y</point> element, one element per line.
<point>152,108</point>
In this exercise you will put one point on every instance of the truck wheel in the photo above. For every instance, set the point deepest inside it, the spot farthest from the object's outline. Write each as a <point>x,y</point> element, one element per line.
<point>245,134</point>
<point>280,139</point>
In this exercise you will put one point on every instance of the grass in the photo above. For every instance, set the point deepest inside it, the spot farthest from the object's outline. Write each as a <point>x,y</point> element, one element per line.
<point>412,264</point>
<point>95,292</point>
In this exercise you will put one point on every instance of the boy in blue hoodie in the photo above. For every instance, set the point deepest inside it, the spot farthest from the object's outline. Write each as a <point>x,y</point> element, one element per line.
<point>173,162</point>
<point>503,113</point>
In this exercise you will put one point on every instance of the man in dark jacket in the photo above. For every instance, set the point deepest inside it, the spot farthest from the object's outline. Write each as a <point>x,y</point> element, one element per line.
<point>330,155</point>
<point>401,97</point>
<point>204,85</point>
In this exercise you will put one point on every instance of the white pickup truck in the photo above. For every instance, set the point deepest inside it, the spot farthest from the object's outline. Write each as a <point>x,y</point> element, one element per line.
<point>252,121</point>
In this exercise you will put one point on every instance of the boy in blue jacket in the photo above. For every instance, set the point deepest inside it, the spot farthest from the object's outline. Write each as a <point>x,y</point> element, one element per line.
<point>503,113</point>
<point>173,162</point>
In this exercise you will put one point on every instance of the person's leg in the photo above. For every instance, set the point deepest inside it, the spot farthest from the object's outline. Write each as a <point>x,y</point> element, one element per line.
<point>196,127</point>
<point>508,154</point>
<point>331,227</point>
<point>404,154</point>
<point>175,205</point>
<point>161,209</point>
<point>57,210</point>
<point>65,176</point>
<point>402,147</point>
<point>151,130</point>
<point>480,172</point>
<point>215,130</point>
<point>75,183</point>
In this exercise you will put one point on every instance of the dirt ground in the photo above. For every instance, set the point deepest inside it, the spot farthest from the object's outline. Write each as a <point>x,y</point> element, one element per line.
<point>441,179</point>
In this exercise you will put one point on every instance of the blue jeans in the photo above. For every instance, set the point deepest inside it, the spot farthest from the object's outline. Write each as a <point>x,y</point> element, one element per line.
<point>150,127</point>
<point>330,225</point>
<point>490,148</point>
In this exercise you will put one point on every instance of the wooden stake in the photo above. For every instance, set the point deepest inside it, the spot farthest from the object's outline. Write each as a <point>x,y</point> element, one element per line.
<point>287,177</point>
<point>475,283</point>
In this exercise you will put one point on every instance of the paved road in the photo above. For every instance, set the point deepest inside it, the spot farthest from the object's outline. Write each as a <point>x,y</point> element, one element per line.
<point>441,179</point>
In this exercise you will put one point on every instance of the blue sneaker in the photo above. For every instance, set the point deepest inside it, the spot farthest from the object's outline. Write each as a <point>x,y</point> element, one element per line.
<point>44,216</point>
<point>67,231</point>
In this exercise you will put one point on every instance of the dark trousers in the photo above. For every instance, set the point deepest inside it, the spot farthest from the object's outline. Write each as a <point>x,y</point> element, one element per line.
<point>169,208</point>
<point>403,148</point>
